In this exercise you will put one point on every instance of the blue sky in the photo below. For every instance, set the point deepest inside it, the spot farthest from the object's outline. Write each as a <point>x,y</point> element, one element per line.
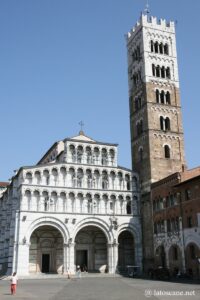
<point>62,61</point>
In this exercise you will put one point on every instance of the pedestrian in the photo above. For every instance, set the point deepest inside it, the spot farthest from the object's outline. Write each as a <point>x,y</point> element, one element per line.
<point>68,274</point>
<point>13,285</point>
<point>78,272</point>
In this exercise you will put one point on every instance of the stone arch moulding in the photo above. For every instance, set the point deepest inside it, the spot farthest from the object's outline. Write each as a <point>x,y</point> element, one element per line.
<point>96,223</point>
<point>192,240</point>
<point>54,222</point>
<point>131,229</point>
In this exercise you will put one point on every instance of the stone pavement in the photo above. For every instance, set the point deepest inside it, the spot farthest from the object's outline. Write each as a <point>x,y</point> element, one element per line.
<point>98,288</point>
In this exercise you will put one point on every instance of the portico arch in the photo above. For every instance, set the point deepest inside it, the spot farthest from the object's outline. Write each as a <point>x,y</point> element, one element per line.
<point>91,249</point>
<point>46,253</point>
<point>126,250</point>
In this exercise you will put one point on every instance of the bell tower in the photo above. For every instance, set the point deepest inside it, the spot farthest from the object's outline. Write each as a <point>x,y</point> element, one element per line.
<point>155,110</point>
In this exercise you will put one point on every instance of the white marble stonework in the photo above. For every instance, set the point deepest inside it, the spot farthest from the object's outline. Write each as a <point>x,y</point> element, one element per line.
<point>75,207</point>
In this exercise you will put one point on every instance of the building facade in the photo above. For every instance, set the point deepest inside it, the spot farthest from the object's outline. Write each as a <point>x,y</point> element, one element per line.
<point>176,218</point>
<point>75,207</point>
<point>155,111</point>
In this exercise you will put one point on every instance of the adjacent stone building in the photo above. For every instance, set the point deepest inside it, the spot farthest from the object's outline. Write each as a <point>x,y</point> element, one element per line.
<point>176,218</point>
<point>75,207</point>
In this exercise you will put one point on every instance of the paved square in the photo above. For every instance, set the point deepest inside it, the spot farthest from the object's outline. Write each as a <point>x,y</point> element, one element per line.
<point>91,288</point>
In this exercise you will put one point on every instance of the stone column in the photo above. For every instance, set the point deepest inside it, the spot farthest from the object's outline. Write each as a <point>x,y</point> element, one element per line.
<point>71,257</point>
<point>115,256</point>
<point>65,257</point>
<point>110,258</point>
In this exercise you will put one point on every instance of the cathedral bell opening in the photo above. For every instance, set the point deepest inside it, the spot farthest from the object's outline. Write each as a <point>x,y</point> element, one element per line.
<point>91,250</point>
<point>46,251</point>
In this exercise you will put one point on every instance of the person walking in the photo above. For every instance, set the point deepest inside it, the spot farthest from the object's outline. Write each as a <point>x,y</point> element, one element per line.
<point>13,285</point>
<point>68,274</point>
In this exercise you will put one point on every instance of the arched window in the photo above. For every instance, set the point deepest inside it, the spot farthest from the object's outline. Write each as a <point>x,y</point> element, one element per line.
<point>157,96</point>
<point>88,155</point>
<point>161,48</point>
<point>29,177</point>
<point>128,183</point>
<point>104,157</point>
<point>73,153</point>
<point>79,178</point>
<point>162,97</point>
<point>112,156</point>
<point>158,71</point>
<point>167,151</point>
<point>153,70</point>
<point>168,98</point>
<point>128,207</point>
<point>163,72</point>
<point>161,123</point>
<point>166,49</point>
<point>79,154</point>
<point>104,180</point>
<point>167,124</point>
<point>152,46</point>
<point>168,74</point>
<point>156,47</point>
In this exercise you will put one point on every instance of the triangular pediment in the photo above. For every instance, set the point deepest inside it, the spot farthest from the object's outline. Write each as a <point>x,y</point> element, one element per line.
<point>82,137</point>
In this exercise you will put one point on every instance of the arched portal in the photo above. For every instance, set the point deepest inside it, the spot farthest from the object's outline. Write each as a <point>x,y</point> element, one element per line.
<point>160,257</point>
<point>126,253</point>
<point>91,249</point>
<point>175,259</point>
<point>46,250</point>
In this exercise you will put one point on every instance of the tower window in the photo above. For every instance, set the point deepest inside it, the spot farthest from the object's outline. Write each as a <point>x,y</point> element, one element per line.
<point>153,70</point>
<point>156,47</point>
<point>167,151</point>
<point>168,75</point>
<point>158,71</point>
<point>152,46</point>
<point>167,124</point>
<point>163,72</point>
<point>161,48</point>
<point>162,97</point>
<point>157,96</point>
<point>161,123</point>
<point>166,49</point>
<point>167,96</point>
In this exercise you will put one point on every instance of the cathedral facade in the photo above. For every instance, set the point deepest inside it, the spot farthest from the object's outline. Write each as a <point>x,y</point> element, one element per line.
<point>75,207</point>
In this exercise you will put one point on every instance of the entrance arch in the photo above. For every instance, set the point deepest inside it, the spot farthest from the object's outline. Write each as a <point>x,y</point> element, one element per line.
<point>46,250</point>
<point>160,257</point>
<point>91,249</point>
<point>175,259</point>
<point>126,250</point>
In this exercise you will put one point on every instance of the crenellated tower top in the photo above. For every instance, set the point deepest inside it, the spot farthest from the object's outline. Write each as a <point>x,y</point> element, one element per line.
<point>151,22</point>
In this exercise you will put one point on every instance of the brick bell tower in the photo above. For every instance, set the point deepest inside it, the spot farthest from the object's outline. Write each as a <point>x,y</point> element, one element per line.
<point>155,112</point>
